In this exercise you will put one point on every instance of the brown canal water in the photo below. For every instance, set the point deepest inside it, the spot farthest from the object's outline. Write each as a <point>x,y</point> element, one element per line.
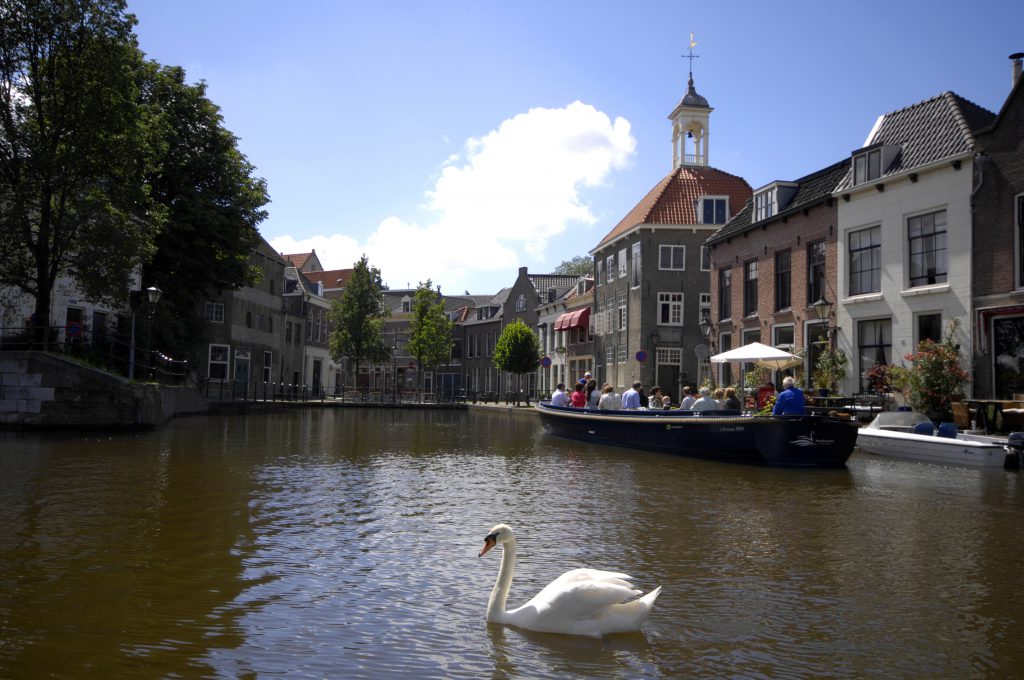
<point>343,544</point>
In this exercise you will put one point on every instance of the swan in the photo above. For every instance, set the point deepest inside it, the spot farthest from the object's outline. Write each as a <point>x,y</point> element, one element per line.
<point>579,602</point>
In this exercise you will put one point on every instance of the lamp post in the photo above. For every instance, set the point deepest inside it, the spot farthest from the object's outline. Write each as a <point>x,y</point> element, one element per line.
<point>823,310</point>
<point>705,330</point>
<point>153,294</point>
<point>394,372</point>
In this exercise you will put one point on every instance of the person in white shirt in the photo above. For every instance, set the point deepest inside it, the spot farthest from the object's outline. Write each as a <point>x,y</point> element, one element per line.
<point>560,398</point>
<point>609,400</point>
<point>687,403</point>
<point>706,402</point>
<point>631,397</point>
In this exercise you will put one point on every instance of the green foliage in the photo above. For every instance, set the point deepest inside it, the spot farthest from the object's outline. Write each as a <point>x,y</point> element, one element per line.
<point>358,318</point>
<point>934,378</point>
<point>830,369</point>
<point>581,265</point>
<point>517,349</point>
<point>75,147</point>
<point>755,376</point>
<point>430,331</point>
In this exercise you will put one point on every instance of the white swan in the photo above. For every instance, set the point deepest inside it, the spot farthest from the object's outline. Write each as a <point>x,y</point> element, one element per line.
<point>579,602</point>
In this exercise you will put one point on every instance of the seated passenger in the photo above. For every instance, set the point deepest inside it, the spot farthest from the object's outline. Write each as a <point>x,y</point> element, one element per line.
<point>560,398</point>
<point>790,401</point>
<point>732,402</point>
<point>609,400</point>
<point>579,397</point>
<point>706,401</point>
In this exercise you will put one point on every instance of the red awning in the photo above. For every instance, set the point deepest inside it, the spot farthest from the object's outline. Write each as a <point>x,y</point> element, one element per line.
<point>581,317</point>
<point>562,322</point>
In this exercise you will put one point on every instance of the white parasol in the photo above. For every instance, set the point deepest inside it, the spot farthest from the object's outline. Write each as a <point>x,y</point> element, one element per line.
<point>762,355</point>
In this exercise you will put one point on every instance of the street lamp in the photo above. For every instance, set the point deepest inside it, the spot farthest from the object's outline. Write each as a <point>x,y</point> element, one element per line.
<point>394,373</point>
<point>153,294</point>
<point>823,310</point>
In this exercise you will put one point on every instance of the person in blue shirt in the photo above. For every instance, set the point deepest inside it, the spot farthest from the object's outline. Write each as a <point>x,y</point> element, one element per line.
<point>631,397</point>
<point>790,401</point>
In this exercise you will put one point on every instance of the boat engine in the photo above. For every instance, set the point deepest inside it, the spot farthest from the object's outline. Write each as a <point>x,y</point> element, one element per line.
<point>1014,451</point>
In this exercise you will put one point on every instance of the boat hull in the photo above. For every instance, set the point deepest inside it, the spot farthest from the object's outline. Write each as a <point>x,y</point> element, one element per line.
<point>791,441</point>
<point>931,449</point>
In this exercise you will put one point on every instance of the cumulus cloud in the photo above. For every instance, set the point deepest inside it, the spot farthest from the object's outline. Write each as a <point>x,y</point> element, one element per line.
<point>506,192</point>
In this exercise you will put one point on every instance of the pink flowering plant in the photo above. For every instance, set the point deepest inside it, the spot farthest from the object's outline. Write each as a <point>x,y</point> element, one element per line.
<point>934,378</point>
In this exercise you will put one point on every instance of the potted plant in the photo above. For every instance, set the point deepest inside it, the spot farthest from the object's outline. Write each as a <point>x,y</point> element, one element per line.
<point>935,378</point>
<point>830,370</point>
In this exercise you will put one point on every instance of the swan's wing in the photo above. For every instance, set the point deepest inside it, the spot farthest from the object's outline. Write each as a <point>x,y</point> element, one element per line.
<point>583,593</point>
<point>596,575</point>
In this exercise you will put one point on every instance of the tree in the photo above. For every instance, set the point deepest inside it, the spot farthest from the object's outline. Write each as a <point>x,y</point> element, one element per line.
<point>358,318</point>
<point>430,331</point>
<point>74,149</point>
<point>517,351</point>
<point>581,265</point>
<point>213,203</point>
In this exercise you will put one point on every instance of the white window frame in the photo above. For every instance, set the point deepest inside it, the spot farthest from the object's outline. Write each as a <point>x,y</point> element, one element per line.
<point>675,303</point>
<point>668,356</point>
<point>764,204</point>
<point>225,362</point>
<point>268,366</point>
<point>705,258</point>
<point>622,263</point>
<point>1018,240</point>
<point>711,199</point>
<point>636,263</point>
<point>214,312</point>
<point>622,354</point>
<point>609,354</point>
<point>610,266</point>
<point>672,257</point>
<point>704,306</point>
<point>521,303</point>
<point>600,272</point>
<point>622,310</point>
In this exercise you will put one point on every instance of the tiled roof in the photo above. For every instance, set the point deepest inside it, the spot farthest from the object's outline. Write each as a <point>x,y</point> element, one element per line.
<point>927,132</point>
<point>335,278</point>
<point>812,189</point>
<point>542,283</point>
<point>297,259</point>
<point>673,200</point>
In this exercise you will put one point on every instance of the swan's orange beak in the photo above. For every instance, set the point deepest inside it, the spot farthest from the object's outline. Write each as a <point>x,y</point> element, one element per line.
<point>489,543</point>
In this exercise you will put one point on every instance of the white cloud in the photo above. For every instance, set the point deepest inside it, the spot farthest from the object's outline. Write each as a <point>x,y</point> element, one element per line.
<point>508,191</point>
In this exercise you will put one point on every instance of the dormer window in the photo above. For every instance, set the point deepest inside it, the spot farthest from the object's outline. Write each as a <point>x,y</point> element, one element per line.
<point>764,205</point>
<point>406,304</point>
<point>871,162</point>
<point>713,210</point>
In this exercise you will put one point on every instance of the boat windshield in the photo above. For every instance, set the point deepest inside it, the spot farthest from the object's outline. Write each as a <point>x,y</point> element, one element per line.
<point>898,420</point>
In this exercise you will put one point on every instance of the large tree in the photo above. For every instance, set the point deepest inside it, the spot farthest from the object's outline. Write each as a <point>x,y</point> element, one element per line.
<point>430,331</point>
<point>212,199</point>
<point>74,150</point>
<point>517,351</point>
<point>358,318</point>
<point>581,265</point>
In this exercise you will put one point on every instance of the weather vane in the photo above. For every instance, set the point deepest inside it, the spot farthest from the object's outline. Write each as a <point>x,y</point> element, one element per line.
<point>691,56</point>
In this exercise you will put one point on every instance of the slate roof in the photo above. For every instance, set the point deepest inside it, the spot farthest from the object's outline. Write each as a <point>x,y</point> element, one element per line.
<point>930,131</point>
<point>813,188</point>
<point>542,283</point>
<point>673,200</point>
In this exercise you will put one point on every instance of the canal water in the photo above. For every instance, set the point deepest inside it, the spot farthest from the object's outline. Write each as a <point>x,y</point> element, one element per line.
<point>343,543</point>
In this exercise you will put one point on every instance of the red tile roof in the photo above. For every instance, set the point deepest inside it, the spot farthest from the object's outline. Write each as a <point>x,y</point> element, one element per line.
<point>297,260</point>
<point>673,200</point>
<point>335,278</point>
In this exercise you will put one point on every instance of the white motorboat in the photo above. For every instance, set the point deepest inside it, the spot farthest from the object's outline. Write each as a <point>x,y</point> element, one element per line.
<point>908,435</point>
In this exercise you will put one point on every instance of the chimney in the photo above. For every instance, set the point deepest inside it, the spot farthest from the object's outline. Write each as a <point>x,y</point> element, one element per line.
<point>1016,66</point>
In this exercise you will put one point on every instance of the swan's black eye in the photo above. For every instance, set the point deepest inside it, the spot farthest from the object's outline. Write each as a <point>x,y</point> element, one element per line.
<point>491,537</point>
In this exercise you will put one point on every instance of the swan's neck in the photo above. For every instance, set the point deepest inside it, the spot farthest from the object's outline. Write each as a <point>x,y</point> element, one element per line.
<point>496,604</point>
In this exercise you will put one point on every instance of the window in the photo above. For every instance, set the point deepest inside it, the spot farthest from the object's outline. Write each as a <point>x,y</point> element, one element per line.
<point>610,266</point>
<point>929,327</point>
<point>600,270</point>
<point>609,354</point>
<point>927,246</point>
<point>214,312</point>
<point>268,366</point>
<point>867,166</point>
<point>622,354</point>
<point>271,286</point>
<point>705,258</point>
<point>749,287</point>
<point>622,263</point>
<point>874,340</point>
<point>815,271</point>
<point>622,310</point>
<point>218,363</point>
<point>866,261</point>
<point>783,280</point>
<point>288,331</point>
<point>672,258</point>
<point>724,293</point>
<point>635,280</point>
<point>764,205</point>
<point>714,211</point>
<point>783,337</point>
<point>705,307</point>
<point>1020,241</point>
<point>520,303</point>
<point>725,372</point>
<point>298,333</point>
<point>670,309</point>
<point>248,319</point>
<point>406,305</point>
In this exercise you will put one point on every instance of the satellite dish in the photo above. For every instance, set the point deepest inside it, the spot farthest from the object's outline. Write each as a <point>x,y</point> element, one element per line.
<point>702,351</point>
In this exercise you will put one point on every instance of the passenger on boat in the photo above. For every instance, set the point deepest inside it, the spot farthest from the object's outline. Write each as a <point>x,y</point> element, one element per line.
<point>609,400</point>
<point>706,402</point>
<point>688,399</point>
<point>593,394</point>
<point>579,397</point>
<point>559,397</point>
<point>654,400</point>
<point>666,402</point>
<point>720,397</point>
<point>645,401</point>
<point>791,399</point>
<point>732,402</point>
<point>764,392</point>
<point>631,397</point>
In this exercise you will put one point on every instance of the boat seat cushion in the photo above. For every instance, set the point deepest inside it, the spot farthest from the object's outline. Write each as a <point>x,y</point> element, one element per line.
<point>947,430</point>
<point>924,428</point>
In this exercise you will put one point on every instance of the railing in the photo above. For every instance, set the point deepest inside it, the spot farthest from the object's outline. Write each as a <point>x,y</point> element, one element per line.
<point>105,351</point>
<point>259,391</point>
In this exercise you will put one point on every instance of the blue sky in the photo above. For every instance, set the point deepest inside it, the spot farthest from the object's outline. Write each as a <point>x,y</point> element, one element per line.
<point>458,141</point>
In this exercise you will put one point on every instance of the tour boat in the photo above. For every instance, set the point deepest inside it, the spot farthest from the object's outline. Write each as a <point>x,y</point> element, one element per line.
<point>791,441</point>
<point>908,435</point>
